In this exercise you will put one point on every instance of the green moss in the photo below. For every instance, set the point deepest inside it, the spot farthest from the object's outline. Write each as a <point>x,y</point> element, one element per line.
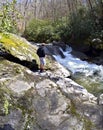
<point>3,91</point>
<point>17,46</point>
<point>93,86</point>
<point>17,70</point>
<point>29,121</point>
<point>12,44</point>
<point>24,102</point>
<point>6,106</point>
<point>4,99</point>
<point>10,40</point>
<point>50,63</point>
<point>73,109</point>
<point>87,124</point>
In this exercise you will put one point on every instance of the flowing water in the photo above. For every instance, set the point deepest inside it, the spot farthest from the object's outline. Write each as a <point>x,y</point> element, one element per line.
<point>86,74</point>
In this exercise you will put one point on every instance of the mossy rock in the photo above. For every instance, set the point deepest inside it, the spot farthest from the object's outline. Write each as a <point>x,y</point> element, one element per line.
<point>17,46</point>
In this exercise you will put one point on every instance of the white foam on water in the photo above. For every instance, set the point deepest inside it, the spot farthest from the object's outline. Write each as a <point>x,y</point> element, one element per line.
<point>75,65</point>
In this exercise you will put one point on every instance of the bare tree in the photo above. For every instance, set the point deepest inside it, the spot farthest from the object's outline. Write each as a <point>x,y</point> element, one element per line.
<point>51,9</point>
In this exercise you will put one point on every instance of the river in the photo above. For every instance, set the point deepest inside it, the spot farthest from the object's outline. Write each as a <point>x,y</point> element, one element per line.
<point>87,74</point>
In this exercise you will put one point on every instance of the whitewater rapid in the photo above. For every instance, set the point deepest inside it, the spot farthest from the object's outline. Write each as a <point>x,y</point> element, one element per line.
<point>87,74</point>
<point>75,65</point>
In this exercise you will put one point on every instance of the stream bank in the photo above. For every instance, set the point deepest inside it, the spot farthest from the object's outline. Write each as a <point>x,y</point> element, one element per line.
<point>53,101</point>
<point>85,73</point>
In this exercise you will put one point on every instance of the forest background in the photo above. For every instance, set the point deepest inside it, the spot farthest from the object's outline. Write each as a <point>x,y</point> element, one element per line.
<point>75,22</point>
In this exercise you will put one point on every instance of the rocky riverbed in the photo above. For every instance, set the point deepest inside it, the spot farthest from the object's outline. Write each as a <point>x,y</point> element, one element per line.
<point>47,101</point>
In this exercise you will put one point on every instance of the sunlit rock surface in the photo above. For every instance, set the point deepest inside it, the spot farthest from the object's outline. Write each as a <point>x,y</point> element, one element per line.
<point>47,101</point>
<point>16,46</point>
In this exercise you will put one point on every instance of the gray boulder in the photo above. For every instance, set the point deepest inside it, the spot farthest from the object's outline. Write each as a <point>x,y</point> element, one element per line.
<point>47,101</point>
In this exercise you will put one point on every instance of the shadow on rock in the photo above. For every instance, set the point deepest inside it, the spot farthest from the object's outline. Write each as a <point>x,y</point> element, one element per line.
<point>32,65</point>
<point>7,127</point>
